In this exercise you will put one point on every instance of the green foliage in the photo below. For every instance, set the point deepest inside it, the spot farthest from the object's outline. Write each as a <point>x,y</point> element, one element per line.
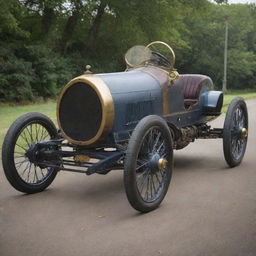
<point>242,66</point>
<point>15,76</point>
<point>206,40</point>
<point>46,68</point>
<point>29,72</point>
<point>10,13</point>
<point>45,43</point>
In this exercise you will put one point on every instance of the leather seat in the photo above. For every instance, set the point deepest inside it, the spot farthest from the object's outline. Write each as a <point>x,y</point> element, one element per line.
<point>192,85</point>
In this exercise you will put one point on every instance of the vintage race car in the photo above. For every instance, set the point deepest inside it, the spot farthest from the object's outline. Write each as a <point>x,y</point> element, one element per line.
<point>129,120</point>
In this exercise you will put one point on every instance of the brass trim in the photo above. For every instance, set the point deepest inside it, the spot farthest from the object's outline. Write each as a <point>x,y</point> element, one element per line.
<point>174,75</point>
<point>181,112</point>
<point>166,106</point>
<point>162,163</point>
<point>82,158</point>
<point>244,132</point>
<point>107,104</point>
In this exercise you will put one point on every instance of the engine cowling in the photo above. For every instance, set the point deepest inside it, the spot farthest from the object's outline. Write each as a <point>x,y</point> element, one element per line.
<point>92,107</point>
<point>85,110</point>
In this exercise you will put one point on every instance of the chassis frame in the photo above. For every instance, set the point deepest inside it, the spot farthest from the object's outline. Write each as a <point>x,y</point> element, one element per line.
<point>51,154</point>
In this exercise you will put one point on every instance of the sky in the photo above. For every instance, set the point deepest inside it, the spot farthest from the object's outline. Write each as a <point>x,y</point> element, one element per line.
<point>241,1</point>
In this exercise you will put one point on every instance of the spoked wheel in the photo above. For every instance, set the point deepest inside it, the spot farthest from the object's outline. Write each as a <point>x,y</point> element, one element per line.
<point>235,132</point>
<point>19,153</point>
<point>148,164</point>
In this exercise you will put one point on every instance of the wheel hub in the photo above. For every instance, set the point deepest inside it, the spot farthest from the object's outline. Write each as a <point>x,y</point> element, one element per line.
<point>32,153</point>
<point>162,162</point>
<point>244,133</point>
<point>157,162</point>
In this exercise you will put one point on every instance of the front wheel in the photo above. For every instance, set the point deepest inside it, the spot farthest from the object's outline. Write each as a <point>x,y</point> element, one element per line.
<point>235,132</point>
<point>148,164</point>
<point>19,168</point>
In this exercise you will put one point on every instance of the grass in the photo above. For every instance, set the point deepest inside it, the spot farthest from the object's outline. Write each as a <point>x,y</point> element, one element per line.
<point>9,113</point>
<point>231,95</point>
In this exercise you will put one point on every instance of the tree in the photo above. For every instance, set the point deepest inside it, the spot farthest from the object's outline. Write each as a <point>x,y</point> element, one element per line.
<point>44,43</point>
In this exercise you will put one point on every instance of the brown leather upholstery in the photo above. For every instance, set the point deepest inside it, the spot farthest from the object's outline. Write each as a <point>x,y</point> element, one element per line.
<point>192,85</point>
<point>190,102</point>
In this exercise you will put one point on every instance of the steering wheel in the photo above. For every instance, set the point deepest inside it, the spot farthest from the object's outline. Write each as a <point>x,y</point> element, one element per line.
<point>172,60</point>
<point>162,60</point>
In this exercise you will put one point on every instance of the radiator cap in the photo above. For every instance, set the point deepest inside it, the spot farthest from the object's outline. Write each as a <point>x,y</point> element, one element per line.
<point>88,71</point>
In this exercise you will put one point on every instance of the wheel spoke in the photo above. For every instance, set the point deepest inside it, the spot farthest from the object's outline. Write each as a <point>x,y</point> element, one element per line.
<point>35,174</point>
<point>30,135</point>
<point>157,179</point>
<point>36,132</point>
<point>156,142</point>
<point>42,133</point>
<point>148,186</point>
<point>150,180</point>
<point>16,157</point>
<point>23,135</point>
<point>31,132</point>
<point>26,168</point>
<point>237,142</point>
<point>144,179</point>
<point>151,187</point>
<point>159,148</point>
<point>161,172</point>
<point>21,162</point>
<point>29,172</point>
<point>153,183</point>
<point>144,164</point>
<point>142,173</point>
<point>47,135</point>
<point>21,147</point>
<point>148,139</point>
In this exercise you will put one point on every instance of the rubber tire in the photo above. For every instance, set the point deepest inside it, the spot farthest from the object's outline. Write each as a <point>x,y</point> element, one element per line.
<point>8,152</point>
<point>231,161</point>
<point>134,144</point>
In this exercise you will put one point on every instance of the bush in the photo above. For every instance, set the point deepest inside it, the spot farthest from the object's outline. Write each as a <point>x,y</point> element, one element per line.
<point>15,77</point>
<point>34,71</point>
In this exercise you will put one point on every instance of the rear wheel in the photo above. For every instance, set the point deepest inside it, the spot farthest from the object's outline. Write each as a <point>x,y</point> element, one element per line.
<point>148,164</point>
<point>235,132</point>
<point>20,140</point>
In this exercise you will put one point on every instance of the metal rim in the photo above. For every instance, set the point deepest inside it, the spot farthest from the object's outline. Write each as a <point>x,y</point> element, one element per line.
<point>239,131</point>
<point>152,165</point>
<point>28,137</point>
<point>107,105</point>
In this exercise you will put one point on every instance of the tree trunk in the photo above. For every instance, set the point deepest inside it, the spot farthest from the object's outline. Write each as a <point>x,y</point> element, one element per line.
<point>68,32</point>
<point>95,28</point>
<point>47,22</point>
<point>70,26</point>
